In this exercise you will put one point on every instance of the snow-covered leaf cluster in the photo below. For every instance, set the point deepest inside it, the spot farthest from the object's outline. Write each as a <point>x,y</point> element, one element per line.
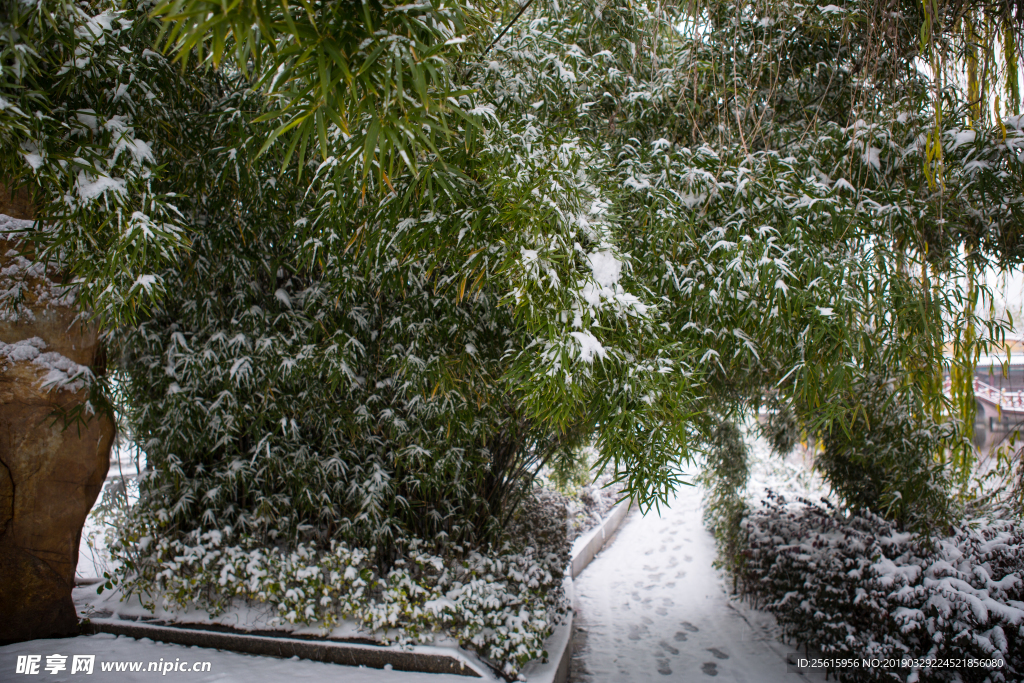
<point>88,113</point>
<point>854,586</point>
<point>27,283</point>
<point>501,604</point>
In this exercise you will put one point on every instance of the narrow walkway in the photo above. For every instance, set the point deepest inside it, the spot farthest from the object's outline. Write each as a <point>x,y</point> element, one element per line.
<point>650,607</point>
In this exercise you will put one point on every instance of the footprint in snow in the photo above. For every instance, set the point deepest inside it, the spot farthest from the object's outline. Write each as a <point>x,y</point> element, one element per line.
<point>688,540</point>
<point>668,648</point>
<point>668,602</point>
<point>648,621</point>
<point>680,575</point>
<point>710,668</point>
<point>670,584</point>
<point>689,627</point>
<point>645,601</point>
<point>650,552</point>
<point>687,558</point>
<point>663,667</point>
<point>661,549</point>
<point>635,595</point>
<point>638,584</point>
<point>661,611</point>
<point>718,653</point>
<point>655,577</point>
<point>676,547</point>
<point>680,636</point>
<point>634,633</point>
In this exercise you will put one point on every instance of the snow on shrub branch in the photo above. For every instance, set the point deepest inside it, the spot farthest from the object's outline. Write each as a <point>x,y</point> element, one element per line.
<point>854,586</point>
<point>502,606</point>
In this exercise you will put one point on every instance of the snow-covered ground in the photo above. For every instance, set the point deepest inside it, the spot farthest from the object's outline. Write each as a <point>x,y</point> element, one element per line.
<point>651,607</point>
<point>126,463</point>
<point>791,476</point>
<point>223,667</point>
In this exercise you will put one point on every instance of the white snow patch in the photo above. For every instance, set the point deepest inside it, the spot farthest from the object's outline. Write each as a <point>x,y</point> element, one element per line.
<point>607,268</point>
<point>91,187</point>
<point>871,157</point>
<point>963,137</point>
<point>62,373</point>
<point>589,346</point>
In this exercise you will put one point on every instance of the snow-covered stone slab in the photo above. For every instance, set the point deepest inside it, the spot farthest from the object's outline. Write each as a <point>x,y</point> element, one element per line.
<point>333,652</point>
<point>121,659</point>
<point>589,544</point>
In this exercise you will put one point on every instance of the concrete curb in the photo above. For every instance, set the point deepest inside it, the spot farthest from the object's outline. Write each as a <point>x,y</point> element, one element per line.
<point>333,652</point>
<point>555,670</point>
<point>584,549</point>
<point>590,543</point>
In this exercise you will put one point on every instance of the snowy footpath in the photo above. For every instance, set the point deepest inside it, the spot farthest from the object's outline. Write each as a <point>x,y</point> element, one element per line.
<point>650,607</point>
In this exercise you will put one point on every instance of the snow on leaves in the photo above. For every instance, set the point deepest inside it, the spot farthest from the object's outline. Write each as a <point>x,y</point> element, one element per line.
<point>102,110</point>
<point>503,606</point>
<point>855,586</point>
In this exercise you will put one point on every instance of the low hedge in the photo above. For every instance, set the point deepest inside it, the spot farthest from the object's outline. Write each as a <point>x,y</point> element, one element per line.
<point>854,586</point>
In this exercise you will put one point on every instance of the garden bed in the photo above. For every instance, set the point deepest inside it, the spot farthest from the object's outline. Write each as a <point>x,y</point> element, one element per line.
<point>510,609</point>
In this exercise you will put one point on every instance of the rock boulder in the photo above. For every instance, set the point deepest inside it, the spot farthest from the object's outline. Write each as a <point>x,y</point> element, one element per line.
<point>54,448</point>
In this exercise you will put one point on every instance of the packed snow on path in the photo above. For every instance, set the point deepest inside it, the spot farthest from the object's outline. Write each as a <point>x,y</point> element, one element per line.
<point>225,667</point>
<point>651,607</point>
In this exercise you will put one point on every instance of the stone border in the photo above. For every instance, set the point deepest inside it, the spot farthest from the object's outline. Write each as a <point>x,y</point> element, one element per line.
<point>332,652</point>
<point>555,670</point>
<point>584,549</point>
<point>588,545</point>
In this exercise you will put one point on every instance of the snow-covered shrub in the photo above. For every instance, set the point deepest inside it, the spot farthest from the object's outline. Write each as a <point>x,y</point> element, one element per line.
<point>502,605</point>
<point>543,518</point>
<point>854,586</point>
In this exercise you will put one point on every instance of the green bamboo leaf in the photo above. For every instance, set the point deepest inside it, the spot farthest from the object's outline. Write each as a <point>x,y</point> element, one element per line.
<point>321,126</point>
<point>325,75</point>
<point>371,60</point>
<point>370,144</point>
